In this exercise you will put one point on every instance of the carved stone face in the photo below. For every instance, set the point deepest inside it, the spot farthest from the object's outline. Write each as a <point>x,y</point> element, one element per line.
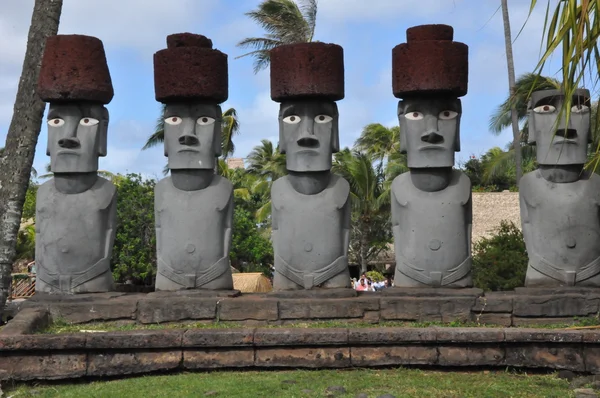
<point>429,131</point>
<point>308,134</point>
<point>77,136</point>
<point>559,143</point>
<point>192,135</point>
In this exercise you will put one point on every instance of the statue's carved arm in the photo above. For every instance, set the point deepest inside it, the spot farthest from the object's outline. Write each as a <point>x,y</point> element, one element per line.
<point>525,222</point>
<point>157,221</point>
<point>469,221</point>
<point>111,227</point>
<point>228,226</point>
<point>274,225</point>
<point>346,224</point>
<point>395,217</point>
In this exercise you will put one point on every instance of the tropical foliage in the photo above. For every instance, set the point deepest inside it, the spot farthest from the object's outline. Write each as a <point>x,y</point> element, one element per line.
<point>285,22</point>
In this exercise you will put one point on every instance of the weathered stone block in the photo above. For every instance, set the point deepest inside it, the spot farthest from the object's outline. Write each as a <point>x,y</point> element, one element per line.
<point>26,321</point>
<point>241,309</point>
<point>391,335</point>
<point>591,354</point>
<point>315,293</point>
<point>94,310</point>
<point>590,336</point>
<point>525,322</point>
<point>471,356</point>
<point>466,335</point>
<point>218,337</point>
<point>443,309</point>
<point>559,356</point>
<point>121,363</point>
<point>394,355</point>
<point>176,309</point>
<point>300,337</point>
<point>42,342</point>
<point>322,357</point>
<point>543,335</point>
<point>494,302</point>
<point>431,292</point>
<point>214,358</point>
<point>555,305</point>
<point>138,339</point>
<point>493,318</point>
<point>327,309</point>
<point>43,366</point>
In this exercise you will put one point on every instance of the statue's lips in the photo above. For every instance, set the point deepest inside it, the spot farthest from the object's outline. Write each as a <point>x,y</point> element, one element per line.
<point>67,152</point>
<point>560,142</point>
<point>307,152</point>
<point>432,147</point>
<point>188,150</point>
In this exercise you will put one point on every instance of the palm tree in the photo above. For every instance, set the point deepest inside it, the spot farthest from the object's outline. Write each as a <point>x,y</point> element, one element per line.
<point>524,86</point>
<point>267,163</point>
<point>499,165</point>
<point>285,22</point>
<point>230,126</point>
<point>370,198</point>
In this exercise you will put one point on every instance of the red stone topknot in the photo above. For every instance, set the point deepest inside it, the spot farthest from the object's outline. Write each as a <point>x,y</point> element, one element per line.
<point>74,69</point>
<point>189,69</point>
<point>430,63</point>
<point>307,70</point>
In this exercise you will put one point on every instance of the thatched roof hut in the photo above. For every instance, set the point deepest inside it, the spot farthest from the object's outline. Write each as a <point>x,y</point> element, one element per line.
<point>251,282</point>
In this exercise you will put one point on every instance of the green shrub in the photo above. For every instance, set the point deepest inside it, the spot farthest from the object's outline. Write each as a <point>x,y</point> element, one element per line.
<point>375,276</point>
<point>500,262</point>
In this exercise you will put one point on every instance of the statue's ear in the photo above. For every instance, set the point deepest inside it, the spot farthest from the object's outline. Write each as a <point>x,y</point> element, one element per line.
<point>103,133</point>
<point>282,147</point>
<point>218,133</point>
<point>403,143</point>
<point>457,136</point>
<point>335,130</point>
<point>531,123</point>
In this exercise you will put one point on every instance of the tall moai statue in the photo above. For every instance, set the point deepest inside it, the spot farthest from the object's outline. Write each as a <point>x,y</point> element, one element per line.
<point>431,204</point>
<point>194,206</point>
<point>310,207</point>
<point>560,201</point>
<point>76,209</point>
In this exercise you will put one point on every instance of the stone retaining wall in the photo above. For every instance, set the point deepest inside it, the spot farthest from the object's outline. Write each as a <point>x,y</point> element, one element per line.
<point>522,307</point>
<point>69,356</point>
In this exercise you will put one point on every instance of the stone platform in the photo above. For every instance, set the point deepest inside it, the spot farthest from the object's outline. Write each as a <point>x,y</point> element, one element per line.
<point>522,307</point>
<point>27,356</point>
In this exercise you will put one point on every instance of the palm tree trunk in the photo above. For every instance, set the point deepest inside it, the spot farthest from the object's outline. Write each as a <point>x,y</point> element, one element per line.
<point>22,137</point>
<point>511,82</point>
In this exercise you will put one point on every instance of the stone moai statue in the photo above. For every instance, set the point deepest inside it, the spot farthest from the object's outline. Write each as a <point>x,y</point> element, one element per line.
<point>194,206</point>
<point>310,206</point>
<point>75,210</point>
<point>560,201</point>
<point>431,204</point>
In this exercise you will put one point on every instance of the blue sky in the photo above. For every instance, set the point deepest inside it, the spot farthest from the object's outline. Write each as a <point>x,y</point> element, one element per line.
<point>132,30</point>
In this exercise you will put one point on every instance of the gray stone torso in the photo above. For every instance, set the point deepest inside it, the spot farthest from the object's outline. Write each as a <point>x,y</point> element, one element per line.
<point>563,223</point>
<point>74,232</point>
<point>191,229</point>
<point>309,227</point>
<point>431,229</point>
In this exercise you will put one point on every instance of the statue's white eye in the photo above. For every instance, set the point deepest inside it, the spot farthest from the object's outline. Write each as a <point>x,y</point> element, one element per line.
<point>88,121</point>
<point>323,119</point>
<point>447,115</point>
<point>544,109</point>
<point>580,109</point>
<point>293,119</point>
<point>173,120</point>
<point>56,122</point>
<point>414,115</point>
<point>205,120</point>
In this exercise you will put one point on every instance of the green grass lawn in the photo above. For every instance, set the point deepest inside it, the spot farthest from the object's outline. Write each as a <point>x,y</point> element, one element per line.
<point>398,382</point>
<point>60,326</point>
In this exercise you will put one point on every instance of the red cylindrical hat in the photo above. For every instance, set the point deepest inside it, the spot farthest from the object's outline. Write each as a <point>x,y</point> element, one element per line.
<point>307,70</point>
<point>430,63</point>
<point>189,69</point>
<point>74,68</point>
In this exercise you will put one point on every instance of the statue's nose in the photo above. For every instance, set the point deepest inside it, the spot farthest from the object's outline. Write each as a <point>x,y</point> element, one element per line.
<point>432,138</point>
<point>69,143</point>
<point>189,140</point>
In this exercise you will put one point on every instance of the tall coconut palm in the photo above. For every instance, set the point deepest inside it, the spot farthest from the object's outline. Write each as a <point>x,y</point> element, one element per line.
<point>499,165</point>
<point>230,126</point>
<point>266,162</point>
<point>370,198</point>
<point>285,22</point>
